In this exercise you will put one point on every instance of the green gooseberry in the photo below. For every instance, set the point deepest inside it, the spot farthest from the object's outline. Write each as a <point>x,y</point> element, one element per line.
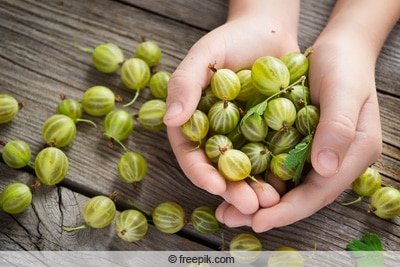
<point>169,217</point>
<point>150,52</point>
<point>159,84</point>
<point>132,167</point>
<point>204,221</point>
<point>15,198</point>
<point>9,108</point>
<point>118,125</point>
<point>51,165</point>
<point>151,114</point>
<point>245,248</point>
<point>71,108</point>
<point>131,225</point>
<point>17,154</point>
<point>98,101</point>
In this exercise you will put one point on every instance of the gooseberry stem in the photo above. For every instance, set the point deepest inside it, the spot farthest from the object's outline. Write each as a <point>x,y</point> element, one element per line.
<point>353,202</point>
<point>145,212</point>
<point>133,100</point>
<point>258,182</point>
<point>75,228</point>
<point>31,165</point>
<point>116,140</point>
<point>87,121</point>
<point>83,49</point>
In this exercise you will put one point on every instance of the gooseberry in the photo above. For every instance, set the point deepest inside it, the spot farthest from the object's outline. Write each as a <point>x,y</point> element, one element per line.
<point>385,202</point>
<point>247,88</point>
<point>98,101</point>
<point>196,128</point>
<point>15,198</point>
<point>98,212</point>
<point>118,125</point>
<point>71,108</point>
<point>285,257</point>
<point>169,217</point>
<point>245,248</point>
<point>131,225</point>
<point>59,130</point>
<point>51,165</point>
<point>278,168</point>
<point>151,114</point>
<point>282,141</point>
<point>225,83</point>
<point>9,108</point>
<point>150,52</point>
<point>207,99</point>
<point>366,184</point>
<point>234,165</point>
<point>254,129</point>
<point>259,155</point>
<point>307,119</point>
<point>159,84</point>
<point>17,154</point>
<point>297,64</point>
<point>132,167</point>
<point>106,57</point>
<point>269,75</point>
<point>223,116</point>
<point>215,144</point>
<point>204,221</point>
<point>280,113</point>
<point>135,75</point>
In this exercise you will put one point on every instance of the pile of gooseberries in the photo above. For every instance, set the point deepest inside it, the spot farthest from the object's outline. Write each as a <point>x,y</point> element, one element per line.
<point>257,121</point>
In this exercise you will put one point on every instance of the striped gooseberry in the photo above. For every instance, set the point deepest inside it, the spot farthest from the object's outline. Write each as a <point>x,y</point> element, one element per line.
<point>385,202</point>
<point>278,168</point>
<point>299,95</point>
<point>9,108</point>
<point>132,167</point>
<point>254,129</point>
<point>118,125</point>
<point>234,165</point>
<point>17,154</point>
<point>245,248</point>
<point>259,155</point>
<point>215,144</point>
<point>280,113</point>
<point>106,57</point>
<point>98,212</point>
<point>135,75</point>
<point>196,128</point>
<point>366,184</point>
<point>282,141</point>
<point>131,225</point>
<point>269,75</point>
<point>236,137</point>
<point>247,88</point>
<point>225,83</point>
<point>207,100</point>
<point>297,64</point>
<point>98,101</point>
<point>204,221</point>
<point>169,217</point>
<point>15,198</point>
<point>71,108</point>
<point>285,257</point>
<point>151,114</point>
<point>150,52</point>
<point>224,116</point>
<point>59,130</point>
<point>307,120</point>
<point>51,165</point>
<point>159,84</point>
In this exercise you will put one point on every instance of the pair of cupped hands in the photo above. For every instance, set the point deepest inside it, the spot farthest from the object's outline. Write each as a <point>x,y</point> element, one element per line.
<point>347,139</point>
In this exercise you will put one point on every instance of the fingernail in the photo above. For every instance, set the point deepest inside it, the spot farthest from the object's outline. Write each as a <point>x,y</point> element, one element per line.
<point>329,160</point>
<point>173,109</point>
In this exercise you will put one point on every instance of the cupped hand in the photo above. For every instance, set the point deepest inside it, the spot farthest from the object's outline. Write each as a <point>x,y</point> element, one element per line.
<point>348,138</point>
<point>234,45</point>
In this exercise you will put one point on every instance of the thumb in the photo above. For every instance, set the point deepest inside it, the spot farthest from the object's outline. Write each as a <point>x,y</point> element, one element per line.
<point>186,84</point>
<point>341,100</point>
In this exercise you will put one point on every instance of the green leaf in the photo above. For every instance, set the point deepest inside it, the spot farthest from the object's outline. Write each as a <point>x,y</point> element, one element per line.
<point>368,251</point>
<point>298,156</point>
<point>257,110</point>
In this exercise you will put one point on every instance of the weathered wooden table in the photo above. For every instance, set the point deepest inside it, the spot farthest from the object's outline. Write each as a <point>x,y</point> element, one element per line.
<point>38,61</point>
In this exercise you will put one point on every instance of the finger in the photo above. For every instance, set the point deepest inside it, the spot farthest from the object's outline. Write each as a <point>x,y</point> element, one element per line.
<point>231,216</point>
<point>316,191</point>
<point>267,195</point>
<point>279,185</point>
<point>195,164</point>
<point>242,196</point>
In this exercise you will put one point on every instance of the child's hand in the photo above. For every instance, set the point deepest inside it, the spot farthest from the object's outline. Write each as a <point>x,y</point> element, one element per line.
<point>247,35</point>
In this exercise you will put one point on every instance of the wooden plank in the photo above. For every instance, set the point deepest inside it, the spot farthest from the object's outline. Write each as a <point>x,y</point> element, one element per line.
<point>38,61</point>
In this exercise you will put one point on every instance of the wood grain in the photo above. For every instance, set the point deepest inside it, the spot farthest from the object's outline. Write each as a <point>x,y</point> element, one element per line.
<point>38,61</point>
